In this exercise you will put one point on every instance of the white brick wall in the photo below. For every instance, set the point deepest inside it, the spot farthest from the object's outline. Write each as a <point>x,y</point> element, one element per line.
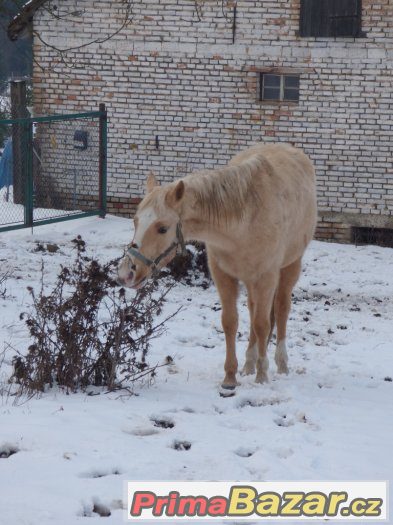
<point>171,75</point>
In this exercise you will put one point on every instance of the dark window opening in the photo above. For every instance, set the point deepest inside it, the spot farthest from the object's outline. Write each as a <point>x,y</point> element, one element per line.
<point>279,87</point>
<point>331,18</point>
<point>377,236</point>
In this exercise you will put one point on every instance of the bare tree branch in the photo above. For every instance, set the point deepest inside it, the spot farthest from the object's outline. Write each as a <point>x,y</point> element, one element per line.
<point>126,22</point>
<point>22,20</point>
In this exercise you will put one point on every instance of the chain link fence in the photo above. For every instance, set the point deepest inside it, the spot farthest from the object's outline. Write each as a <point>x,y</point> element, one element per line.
<point>52,168</point>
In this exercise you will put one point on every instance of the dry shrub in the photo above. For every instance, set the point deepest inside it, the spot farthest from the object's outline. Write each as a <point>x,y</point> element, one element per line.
<point>191,267</point>
<point>3,288</point>
<point>88,331</point>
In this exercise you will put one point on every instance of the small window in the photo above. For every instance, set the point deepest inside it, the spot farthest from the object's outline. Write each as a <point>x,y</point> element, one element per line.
<point>331,18</point>
<point>279,87</point>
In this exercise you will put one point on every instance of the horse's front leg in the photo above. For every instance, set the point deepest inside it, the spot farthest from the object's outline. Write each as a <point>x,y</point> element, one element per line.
<point>229,321</point>
<point>228,288</point>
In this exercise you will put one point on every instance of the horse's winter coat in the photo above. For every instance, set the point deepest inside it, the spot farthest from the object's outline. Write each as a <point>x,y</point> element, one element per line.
<point>256,217</point>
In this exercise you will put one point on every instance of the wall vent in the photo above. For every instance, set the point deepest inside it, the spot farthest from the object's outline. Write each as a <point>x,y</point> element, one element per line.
<point>377,236</point>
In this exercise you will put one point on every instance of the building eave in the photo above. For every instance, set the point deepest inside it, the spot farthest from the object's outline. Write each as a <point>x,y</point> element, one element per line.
<point>22,20</point>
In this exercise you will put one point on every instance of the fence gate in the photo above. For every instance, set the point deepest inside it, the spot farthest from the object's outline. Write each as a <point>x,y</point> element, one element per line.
<point>52,168</point>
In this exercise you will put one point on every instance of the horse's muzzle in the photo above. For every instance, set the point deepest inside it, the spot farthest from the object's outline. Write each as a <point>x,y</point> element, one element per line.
<point>129,276</point>
<point>125,273</point>
<point>126,281</point>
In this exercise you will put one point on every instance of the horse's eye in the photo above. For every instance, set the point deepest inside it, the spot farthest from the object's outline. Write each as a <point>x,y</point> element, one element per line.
<point>162,229</point>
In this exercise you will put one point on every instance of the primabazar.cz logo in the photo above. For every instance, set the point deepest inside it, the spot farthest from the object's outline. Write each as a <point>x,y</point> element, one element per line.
<point>187,500</point>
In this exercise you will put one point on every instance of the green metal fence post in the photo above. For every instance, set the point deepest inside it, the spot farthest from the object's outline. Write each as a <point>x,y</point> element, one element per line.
<point>103,160</point>
<point>28,172</point>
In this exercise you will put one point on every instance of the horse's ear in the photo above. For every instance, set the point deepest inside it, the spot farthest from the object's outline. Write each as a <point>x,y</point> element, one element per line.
<point>151,182</point>
<point>175,194</point>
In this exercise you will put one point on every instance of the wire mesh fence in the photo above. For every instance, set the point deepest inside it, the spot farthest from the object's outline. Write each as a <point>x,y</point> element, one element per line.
<point>52,168</point>
<point>12,209</point>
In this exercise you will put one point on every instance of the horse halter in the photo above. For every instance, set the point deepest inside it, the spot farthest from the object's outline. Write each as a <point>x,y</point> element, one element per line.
<point>153,263</point>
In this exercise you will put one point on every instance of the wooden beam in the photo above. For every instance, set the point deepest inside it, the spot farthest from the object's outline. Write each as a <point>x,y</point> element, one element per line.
<point>23,19</point>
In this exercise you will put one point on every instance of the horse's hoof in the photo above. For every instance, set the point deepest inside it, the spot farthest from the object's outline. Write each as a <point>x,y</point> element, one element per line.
<point>261,378</point>
<point>282,368</point>
<point>282,364</point>
<point>248,369</point>
<point>227,390</point>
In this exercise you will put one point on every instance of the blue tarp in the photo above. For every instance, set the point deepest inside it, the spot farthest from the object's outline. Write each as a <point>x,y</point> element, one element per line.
<point>6,165</point>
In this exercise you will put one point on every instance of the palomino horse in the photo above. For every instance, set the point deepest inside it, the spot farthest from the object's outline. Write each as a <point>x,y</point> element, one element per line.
<point>256,216</point>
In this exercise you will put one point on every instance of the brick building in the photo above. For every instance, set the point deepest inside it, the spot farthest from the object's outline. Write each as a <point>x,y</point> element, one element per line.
<point>188,83</point>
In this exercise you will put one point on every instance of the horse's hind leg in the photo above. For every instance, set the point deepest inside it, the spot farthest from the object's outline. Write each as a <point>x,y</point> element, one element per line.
<point>282,307</point>
<point>227,288</point>
<point>262,295</point>
<point>252,349</point>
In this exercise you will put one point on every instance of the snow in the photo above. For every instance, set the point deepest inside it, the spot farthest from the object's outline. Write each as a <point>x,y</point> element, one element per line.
<point>331,418</point>
<point>4,102</point>
<point>11,214</point>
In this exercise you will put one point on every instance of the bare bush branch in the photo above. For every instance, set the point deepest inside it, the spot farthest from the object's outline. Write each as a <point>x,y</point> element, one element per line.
<point>3,284</point>
<point>88,331</point>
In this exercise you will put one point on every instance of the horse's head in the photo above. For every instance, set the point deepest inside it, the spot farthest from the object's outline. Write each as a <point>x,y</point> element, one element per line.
<point>157,233</point>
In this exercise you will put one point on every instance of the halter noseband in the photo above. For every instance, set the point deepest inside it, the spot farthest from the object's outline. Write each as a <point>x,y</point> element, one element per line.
<point>153,263</point>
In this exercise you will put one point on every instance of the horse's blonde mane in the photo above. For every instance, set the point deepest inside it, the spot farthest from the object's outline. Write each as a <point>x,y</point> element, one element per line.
<point>223,194</point>
<point>226,193</point>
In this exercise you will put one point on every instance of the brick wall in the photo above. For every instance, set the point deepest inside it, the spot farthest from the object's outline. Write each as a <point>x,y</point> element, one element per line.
<point>181,96</point>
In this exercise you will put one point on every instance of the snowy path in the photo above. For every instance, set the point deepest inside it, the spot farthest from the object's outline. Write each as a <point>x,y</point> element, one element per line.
<point>330,419</point>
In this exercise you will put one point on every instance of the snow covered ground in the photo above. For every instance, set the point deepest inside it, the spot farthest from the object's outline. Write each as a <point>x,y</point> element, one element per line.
<point>4,102</point>
<point>331,418</point>
<point>11,213</point>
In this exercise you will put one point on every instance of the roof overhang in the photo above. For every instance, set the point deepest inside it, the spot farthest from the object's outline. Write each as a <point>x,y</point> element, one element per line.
<point>21,22</point>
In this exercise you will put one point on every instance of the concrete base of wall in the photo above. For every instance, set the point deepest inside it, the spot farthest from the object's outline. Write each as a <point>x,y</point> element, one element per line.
<point>337,227</point>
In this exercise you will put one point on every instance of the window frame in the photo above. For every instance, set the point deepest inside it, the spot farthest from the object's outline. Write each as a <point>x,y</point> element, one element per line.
<point>281,88</point>
<point>318,17</point>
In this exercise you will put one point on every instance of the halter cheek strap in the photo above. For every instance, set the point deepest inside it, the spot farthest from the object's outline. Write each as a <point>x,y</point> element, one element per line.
<point>153,263</point>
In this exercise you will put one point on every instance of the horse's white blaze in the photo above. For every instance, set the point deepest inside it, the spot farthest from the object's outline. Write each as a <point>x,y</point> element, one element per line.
<point>145,219</point>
